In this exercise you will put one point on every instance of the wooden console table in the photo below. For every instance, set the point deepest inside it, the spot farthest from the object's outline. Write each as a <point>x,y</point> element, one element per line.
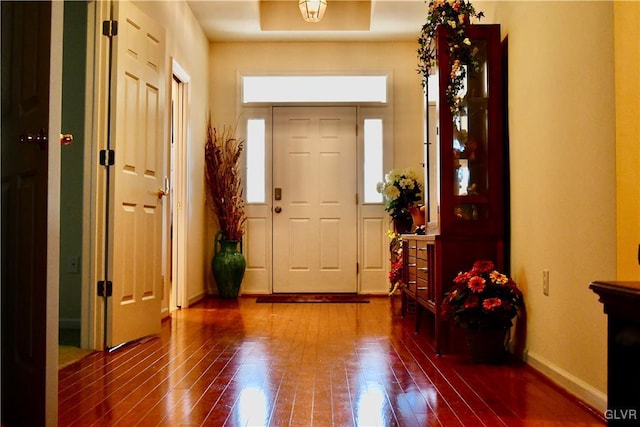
<point>622,305</point>
<point>430,263</point>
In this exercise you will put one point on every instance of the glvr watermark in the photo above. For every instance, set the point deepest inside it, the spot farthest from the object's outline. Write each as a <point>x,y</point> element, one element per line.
<point>621,414</point>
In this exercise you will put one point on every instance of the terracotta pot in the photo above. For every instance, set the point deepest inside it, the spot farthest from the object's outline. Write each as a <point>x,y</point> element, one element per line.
<point>417,213</point>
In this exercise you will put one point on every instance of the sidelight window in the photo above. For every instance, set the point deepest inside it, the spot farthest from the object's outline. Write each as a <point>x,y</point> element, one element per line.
<point>256,161</point>
<point>373,150</point>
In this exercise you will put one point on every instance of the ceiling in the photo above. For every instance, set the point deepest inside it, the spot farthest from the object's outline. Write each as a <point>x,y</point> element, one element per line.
<point>280,20</point>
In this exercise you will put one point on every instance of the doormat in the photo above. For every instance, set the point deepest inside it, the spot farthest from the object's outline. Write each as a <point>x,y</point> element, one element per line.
<point>295,298</point>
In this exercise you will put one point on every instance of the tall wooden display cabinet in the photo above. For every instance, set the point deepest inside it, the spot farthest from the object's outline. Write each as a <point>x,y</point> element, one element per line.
<point>464,183</point>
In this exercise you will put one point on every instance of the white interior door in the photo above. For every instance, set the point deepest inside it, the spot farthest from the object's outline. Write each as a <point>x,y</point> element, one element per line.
<point>139,144</point>
<point>315,206</point>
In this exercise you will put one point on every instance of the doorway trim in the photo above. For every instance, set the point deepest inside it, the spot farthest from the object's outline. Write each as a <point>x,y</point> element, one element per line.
<point>53,216</point>
<point>93,210</point>
<point>179,188</point>
<point>372,221</point>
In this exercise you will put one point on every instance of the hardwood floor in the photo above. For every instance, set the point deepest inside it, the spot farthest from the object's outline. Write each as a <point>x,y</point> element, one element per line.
<point>240,363</point>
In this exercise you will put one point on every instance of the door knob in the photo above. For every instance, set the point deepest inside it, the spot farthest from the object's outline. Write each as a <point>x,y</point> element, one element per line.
<point>278,209</point>
<point>161,193</point>
<point>66,139</point>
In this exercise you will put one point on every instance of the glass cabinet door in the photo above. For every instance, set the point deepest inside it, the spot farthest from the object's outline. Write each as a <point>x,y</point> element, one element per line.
<point>464,150</point>
<point>470,142</point>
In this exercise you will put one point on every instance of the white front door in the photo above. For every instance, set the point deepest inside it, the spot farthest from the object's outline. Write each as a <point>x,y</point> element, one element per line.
<point>314,206</point>
<point>139,144</point>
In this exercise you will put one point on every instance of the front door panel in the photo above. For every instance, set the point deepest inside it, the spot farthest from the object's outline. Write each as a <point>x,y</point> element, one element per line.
<point>314,222</point>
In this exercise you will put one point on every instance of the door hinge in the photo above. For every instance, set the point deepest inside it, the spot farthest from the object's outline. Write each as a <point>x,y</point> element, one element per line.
<point>107,157</point>
<point>105,288</point>
<point>357,268</point>
<point>109,28</point>
<point>357,200</point>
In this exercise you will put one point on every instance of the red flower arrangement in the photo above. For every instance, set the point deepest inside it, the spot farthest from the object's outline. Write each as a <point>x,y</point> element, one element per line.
<point>395,275</point>
<point>482,298</point>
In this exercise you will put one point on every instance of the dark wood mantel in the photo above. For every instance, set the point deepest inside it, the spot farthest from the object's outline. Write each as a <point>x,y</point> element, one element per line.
<point>619,298</point>
<point>622,305</point>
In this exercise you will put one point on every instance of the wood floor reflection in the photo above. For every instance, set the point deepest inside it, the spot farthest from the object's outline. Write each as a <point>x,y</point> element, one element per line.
<point>240,363</point>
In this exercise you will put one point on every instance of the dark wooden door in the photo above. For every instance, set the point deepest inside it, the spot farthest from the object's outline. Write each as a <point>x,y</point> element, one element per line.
<point>26,34</point>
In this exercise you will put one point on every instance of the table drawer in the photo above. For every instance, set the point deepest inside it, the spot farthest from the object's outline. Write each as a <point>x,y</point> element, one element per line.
<point>411,248</point>
<point>422,250</point>
<point>422,269</point>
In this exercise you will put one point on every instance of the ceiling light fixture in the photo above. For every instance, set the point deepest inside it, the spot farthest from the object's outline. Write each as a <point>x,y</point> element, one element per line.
<point>312,10</point>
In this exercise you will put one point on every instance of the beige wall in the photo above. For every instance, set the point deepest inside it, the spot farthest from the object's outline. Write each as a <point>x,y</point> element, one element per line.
<point>228,60</point>
<point>187,43</point>
<point>563,181</point>
<point>627,62</point>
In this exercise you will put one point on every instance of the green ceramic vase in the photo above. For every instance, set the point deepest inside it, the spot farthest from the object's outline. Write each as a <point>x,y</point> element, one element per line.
<point>228,266</point>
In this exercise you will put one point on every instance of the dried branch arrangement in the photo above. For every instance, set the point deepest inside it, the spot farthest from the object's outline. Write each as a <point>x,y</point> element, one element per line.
<point>222,152</point>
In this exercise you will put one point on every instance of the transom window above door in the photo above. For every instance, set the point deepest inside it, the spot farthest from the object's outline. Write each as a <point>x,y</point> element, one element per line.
<point>312,89</point>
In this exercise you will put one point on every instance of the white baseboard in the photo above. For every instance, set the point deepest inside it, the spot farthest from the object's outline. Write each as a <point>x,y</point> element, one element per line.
<point>373,292</point>
<point>196,298</point>
<point>69,323</point>
<point>583,391</point>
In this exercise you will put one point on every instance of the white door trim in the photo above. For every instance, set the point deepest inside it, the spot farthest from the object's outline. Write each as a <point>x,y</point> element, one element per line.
<point>373,222</point>
<point>53,215</point>
<point>92,336</point>
<point>180,188</point>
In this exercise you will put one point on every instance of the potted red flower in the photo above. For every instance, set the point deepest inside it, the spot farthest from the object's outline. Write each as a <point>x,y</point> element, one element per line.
<point>484,302</point>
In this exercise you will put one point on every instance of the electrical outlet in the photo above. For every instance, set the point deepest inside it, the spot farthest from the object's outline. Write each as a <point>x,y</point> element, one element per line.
<point>545,282</point>
<point>73,264</point>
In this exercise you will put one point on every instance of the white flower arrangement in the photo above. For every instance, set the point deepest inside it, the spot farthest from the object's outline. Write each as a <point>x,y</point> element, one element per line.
<point>400,189</point>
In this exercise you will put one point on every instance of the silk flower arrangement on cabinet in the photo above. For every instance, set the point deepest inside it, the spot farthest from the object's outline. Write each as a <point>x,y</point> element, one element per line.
<point>455,16</point>
<point>400,190</point>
